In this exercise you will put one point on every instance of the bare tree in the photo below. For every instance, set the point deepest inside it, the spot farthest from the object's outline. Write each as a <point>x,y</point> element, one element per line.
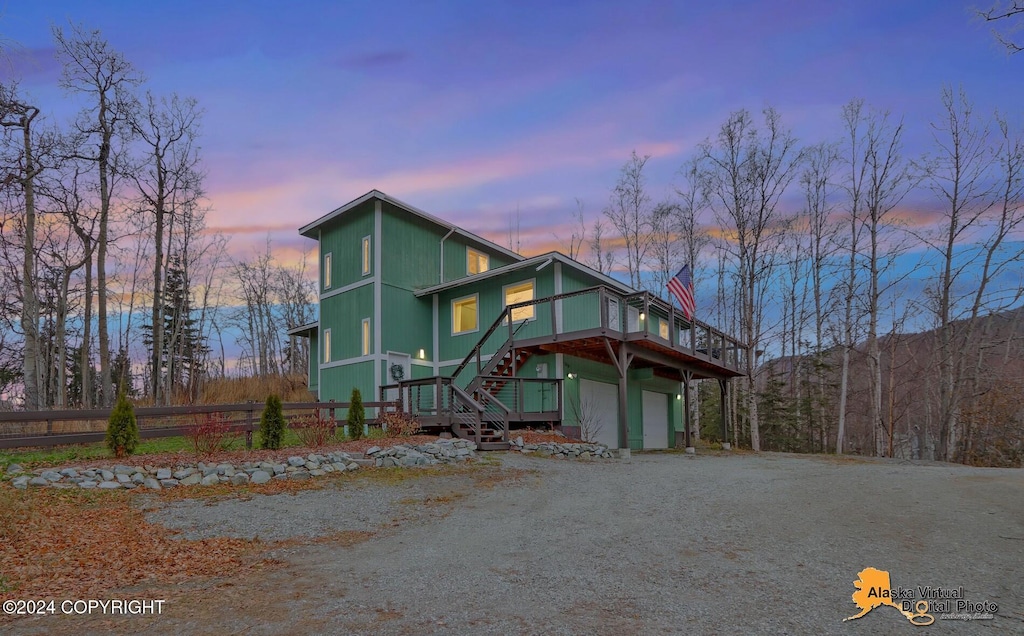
<point>746,171</point>
<point>23,169</point>
<point>168,178</point>
<point>629,211</point>
<point>602,257</point>
<point>980,188</point>
<point>1007,12</point>
<point>92,68</point>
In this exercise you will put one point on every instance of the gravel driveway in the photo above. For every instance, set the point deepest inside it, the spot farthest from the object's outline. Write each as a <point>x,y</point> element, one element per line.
<point>661,544</point>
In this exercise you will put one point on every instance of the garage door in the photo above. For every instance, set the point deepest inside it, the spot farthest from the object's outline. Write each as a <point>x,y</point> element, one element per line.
<point>655,420</point>
<point>599,407</point>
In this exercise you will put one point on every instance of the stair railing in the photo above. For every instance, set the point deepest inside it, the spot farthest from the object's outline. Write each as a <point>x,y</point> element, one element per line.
<point>465,410</point>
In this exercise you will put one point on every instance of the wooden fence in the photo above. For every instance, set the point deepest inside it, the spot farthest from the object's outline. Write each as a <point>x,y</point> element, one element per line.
<point>52,428</point>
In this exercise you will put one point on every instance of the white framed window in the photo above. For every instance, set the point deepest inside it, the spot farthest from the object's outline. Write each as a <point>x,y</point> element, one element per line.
<point>327,346</point>
<point>519,293</point>
<point>366,255</point>
<point>464,314</point>
<point>476,262</point>
<point>366,337</point>
<point>327,270</point>
<point>663,328</point>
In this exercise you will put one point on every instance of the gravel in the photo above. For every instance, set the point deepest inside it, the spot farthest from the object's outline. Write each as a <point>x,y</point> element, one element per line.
<point>660,544</point>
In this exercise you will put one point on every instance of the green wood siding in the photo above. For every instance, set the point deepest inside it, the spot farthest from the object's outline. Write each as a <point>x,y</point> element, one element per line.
<point>343,314</point>
<point>343,239</point>
<point>411,250</point>
<point>337,382</point>
<point>491,303</point>
<point>637,383</point>
<point>455,257</point>
<point>314,360</point>
<point>406,322</point>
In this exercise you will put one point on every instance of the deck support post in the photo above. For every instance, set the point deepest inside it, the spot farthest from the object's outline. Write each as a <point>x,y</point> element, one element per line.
<point>687,420</point>
<point>723,386</point>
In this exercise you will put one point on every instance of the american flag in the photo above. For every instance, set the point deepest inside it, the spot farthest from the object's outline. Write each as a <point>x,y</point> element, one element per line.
<point>681,286</point>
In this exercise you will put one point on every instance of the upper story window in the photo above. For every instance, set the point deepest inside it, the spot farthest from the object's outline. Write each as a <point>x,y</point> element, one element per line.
<point>327,270</point>
<point>366,255</point>
<point>327,346</point>
<point>663,328</point>
<point>366,337</point>
<point>518,293</point>
<point>464,314</point>
<point>476,262</point>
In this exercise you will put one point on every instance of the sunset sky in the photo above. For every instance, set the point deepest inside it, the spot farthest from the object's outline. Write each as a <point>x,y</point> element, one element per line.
<point>471,110</point>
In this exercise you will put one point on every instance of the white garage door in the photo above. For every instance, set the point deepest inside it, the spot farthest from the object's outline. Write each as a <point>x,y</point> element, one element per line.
<point>599,406</point>
<point>655,420</point>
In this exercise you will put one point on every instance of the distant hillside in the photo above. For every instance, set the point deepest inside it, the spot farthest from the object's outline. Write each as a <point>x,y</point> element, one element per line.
<point>992,410</point>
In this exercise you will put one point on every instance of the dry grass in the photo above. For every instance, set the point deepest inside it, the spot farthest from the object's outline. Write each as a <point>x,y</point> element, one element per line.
<point>290,388</point>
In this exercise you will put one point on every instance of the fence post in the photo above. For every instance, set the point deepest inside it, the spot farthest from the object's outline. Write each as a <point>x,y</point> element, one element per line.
<point>330,413</point>
<point>248,426</point>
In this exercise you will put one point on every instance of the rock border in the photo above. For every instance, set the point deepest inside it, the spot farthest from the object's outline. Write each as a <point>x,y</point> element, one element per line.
<point>571,450</point>
<point>147,476</point>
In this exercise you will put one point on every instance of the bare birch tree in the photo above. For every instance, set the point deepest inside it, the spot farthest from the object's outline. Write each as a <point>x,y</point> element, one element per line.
<point>629,211</point>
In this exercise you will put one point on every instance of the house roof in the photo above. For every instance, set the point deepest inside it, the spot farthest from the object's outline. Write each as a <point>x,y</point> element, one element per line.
<point>539,261</point>
<point>304,329</point>
<point>308,230</point>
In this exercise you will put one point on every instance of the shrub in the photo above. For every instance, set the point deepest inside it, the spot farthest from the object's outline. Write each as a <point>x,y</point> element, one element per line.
<point>209,433</point>
<point>272,424</point>
<point>314,430</point>
<point>398,424</point>
<point>122,429</point>
<point>356,415</point>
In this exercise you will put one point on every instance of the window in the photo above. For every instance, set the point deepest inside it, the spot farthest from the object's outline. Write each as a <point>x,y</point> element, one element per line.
<point>476,262</point>
<point>464,315</point>
<point>518,293</point>
<point>327,346</point>
<point>663,329</point>
<point>327,270</point>
<point>366,255</point>
<point>366,337</point>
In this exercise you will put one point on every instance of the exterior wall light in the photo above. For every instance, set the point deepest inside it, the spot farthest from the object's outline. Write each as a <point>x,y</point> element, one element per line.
<point>423,355</point>
<point>571,376</point>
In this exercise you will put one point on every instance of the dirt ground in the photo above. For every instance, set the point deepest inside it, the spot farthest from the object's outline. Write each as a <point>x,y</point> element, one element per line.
<point>660,544</point>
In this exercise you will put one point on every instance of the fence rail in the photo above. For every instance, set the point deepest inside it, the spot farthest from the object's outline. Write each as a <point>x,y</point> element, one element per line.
<point>20,429</point>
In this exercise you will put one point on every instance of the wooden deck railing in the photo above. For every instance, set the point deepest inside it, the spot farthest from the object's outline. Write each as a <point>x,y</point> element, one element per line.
<point>43,428</point>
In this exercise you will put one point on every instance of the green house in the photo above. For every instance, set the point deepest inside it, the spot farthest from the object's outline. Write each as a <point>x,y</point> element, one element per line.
<point>472,337</point>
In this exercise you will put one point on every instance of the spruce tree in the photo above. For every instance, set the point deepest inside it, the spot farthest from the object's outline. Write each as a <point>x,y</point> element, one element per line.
<point>122,429</point>
<point>272,424</point>
<point>356,415</point>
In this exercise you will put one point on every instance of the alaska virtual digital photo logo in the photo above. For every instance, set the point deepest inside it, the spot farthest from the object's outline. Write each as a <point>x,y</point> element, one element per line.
<point>919,605</point>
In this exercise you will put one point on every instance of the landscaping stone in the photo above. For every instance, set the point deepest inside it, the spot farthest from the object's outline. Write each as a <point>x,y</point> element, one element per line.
<point>207,474</point>
<point>573,450</point>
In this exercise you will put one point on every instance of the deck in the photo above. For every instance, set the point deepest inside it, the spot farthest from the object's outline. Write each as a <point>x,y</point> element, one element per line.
<point>486,395</point>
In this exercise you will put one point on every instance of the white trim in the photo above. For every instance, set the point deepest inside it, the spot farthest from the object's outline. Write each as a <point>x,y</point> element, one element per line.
<point>437,337</point>
<point>558,303</point>
<point>458,361</point>
<point>366,254</point>
<point>326,265</point>
<point>341,363</point>
<point>602,279</point>
<point>504,298</point>
<point>350,287</point>
<point>378,227</point>
<point>421,363</point>
<point>364,337</point>
<point>477,253</point>
<point>326,346</point>
<point>475,297</point>
<point>305,230</point>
